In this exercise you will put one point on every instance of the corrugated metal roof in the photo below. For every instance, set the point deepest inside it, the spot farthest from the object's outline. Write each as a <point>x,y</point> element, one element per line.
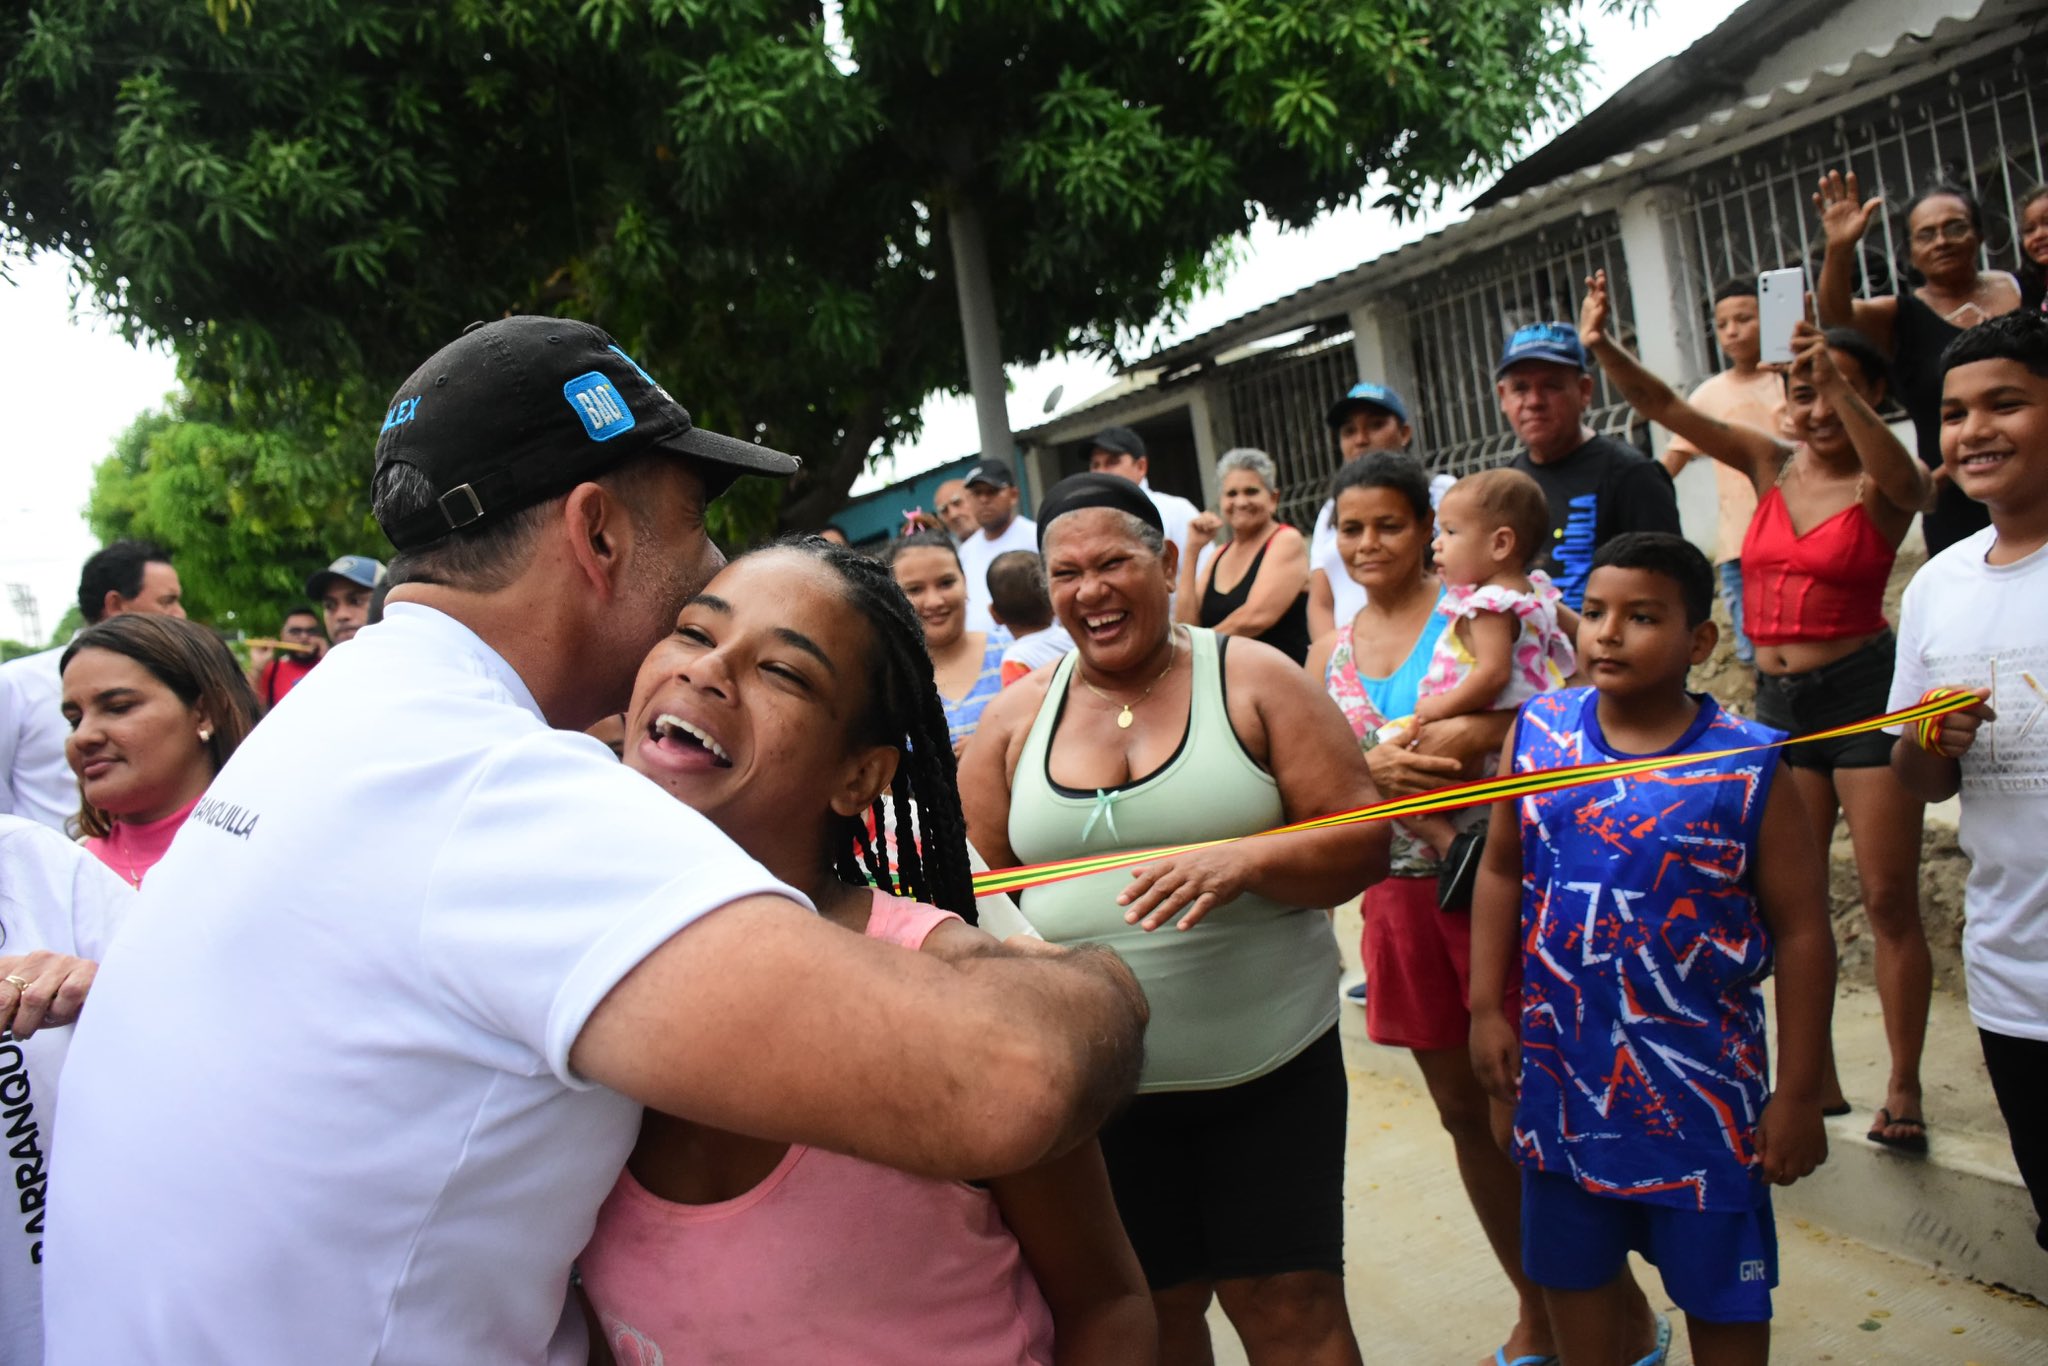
<point>1999,23</point>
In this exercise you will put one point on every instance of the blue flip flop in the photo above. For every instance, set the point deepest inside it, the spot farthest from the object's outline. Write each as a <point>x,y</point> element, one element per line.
<point>1501,1358</point>
<point>1663,1347</point>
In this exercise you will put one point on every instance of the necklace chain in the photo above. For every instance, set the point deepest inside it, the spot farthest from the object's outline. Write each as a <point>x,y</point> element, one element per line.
<point>1123,717</point>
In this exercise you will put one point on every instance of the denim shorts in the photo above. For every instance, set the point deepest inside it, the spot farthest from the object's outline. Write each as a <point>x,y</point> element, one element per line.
<point>1853,688</point>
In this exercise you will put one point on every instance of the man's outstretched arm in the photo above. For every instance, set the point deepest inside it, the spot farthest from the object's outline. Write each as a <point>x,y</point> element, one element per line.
<point>763,1019</point>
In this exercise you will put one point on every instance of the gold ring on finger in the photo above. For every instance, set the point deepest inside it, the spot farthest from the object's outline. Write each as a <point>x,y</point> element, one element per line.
<point>17,981</point>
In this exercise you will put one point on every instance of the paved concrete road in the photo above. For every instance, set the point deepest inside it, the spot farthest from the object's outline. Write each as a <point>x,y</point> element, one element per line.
<point>1424,1290</point>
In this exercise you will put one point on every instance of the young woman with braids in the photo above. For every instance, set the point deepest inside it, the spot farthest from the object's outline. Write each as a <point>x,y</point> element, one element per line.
<point>793,700</point>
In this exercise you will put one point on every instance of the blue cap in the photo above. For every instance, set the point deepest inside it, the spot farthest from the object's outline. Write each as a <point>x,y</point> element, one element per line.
<point>1557,343</point>
<point>1362,393</point>
<point>359,570</point>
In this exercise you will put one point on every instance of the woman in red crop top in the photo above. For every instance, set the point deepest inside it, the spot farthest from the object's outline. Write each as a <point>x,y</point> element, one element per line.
<point>1831,511</point>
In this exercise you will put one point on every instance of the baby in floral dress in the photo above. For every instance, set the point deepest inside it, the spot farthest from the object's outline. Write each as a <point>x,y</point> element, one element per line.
<point>1510,634</point>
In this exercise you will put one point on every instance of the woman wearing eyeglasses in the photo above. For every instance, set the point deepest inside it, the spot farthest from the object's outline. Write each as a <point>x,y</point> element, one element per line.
<point>1945,240</point>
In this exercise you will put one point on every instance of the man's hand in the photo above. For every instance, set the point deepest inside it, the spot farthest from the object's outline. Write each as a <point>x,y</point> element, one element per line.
<point>1594,310</point>
<point>54,994</point>
<point>1496,1055</point>
<point>1791,1139</point>
<point>1844,215</point>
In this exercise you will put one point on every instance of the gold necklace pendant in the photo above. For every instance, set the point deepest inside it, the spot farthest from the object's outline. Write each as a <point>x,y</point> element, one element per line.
<point>1123,718</point>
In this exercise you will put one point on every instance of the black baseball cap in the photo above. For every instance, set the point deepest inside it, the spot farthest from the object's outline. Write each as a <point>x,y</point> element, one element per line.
<point>522,409</point>
<point>994,473</point>
<point>1118,441</point>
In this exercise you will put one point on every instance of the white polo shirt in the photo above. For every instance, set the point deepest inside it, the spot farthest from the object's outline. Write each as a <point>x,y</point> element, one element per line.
<point>320,1107</point>
<point>1175,512</point>
<point>1346,593</point>
<point>977,552</point>
<point>54,896</point>
<point>35,779</point>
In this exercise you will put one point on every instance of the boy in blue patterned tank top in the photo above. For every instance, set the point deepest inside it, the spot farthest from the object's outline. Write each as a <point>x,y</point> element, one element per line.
<point>1646,912</point>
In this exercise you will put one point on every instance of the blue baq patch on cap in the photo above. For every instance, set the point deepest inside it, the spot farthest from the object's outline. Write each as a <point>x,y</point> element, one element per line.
<point>597,403</point>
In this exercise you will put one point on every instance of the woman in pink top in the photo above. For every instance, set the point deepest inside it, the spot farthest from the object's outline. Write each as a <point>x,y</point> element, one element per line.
<point>794,700</point>
<point>156,706</point>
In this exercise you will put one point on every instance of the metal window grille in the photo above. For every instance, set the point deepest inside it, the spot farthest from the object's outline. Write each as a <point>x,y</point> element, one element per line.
<point>1277,403</point>
<point>1459,319</point>
<point>1984,127</point>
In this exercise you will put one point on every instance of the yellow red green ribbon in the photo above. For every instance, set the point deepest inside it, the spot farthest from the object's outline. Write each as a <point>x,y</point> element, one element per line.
<point>1931,708</point>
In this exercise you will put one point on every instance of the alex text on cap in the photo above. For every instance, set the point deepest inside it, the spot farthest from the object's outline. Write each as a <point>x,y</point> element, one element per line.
<point>523,409</point>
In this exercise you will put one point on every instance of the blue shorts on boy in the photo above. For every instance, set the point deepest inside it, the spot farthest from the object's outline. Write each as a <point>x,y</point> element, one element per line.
<point>1644,1065</point>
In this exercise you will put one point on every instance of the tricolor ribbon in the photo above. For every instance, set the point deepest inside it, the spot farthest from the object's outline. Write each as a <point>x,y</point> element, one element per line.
<point>1937,704</point>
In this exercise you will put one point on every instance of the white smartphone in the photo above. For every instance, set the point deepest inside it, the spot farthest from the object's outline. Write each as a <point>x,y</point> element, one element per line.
<point>1780,304</point>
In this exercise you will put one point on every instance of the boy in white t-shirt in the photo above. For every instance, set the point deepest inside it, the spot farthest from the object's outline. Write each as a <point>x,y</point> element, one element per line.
<point>1370,417</point>
<point>1972,620</point>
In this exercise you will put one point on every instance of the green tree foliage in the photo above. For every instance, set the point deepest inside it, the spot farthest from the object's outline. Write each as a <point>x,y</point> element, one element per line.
<point>321,192</point>
<point>249,511</point>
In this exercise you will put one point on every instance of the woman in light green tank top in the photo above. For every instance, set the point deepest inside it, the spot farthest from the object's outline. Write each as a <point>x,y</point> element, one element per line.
<point>1228,1167</point>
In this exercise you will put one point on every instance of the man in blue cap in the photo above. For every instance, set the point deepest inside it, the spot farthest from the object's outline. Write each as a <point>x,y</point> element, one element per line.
<point>343,591</point>
<point>1370,417</point>
<point>1597,487</point>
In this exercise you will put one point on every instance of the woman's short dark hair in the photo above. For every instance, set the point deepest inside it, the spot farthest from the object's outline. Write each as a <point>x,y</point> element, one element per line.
<point>1854,344</point>
<point>193,663</point>
<point>1948,189</point>
<point>1396,470</point>
<point>921,807</point>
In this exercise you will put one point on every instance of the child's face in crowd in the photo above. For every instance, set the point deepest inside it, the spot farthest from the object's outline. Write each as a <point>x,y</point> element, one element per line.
<point>2034,231</point>
<point>1369,427</point>
<point>1468,550</point>
<point>1994,432</point>
<point>745,712</point>
<point>1633,639</point>
<point>1735,327</point>
<point>1379,537</point>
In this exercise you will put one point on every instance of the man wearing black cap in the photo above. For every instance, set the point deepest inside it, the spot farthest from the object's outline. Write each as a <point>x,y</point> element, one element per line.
<point>1597,487</point>
<point>377,1123</point>
<point>992,494</point>
<point>1121,451</point>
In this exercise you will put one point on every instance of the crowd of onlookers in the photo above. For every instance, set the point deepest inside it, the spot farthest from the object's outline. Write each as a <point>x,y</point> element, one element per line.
<point>1576,971</point>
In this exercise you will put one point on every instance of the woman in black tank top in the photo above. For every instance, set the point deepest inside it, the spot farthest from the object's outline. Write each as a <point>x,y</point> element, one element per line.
<point>1265,563</point>
<point>1945,239</point>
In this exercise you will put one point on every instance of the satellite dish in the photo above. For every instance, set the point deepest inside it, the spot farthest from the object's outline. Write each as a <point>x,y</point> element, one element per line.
<point>1052,400</point>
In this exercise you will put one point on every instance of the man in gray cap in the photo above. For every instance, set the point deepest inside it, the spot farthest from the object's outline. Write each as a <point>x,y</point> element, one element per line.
<point>343,590</point>
<point>416,1082</point>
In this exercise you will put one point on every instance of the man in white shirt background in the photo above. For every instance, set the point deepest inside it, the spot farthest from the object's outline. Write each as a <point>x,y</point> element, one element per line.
<point>1370,417</point>
<point>992,495</point>
<point>127,576</point>
<point>1121,451</point>
<point>377,1123</point>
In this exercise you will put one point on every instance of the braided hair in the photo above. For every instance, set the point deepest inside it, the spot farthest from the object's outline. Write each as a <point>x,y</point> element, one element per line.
<point>903,710</point>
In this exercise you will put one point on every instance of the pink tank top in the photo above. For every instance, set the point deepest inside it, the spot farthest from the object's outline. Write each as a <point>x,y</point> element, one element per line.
<point>830,1259</point>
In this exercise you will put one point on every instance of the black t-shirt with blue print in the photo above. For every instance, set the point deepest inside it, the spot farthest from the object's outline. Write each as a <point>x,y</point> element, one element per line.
<point>1599,491</point>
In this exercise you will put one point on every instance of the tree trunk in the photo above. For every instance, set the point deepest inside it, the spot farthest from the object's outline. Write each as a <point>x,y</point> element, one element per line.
<point>824,489</point>
<point>977,291</point>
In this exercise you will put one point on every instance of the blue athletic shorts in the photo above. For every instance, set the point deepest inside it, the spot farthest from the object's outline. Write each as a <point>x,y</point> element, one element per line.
<point>1716,1266</point>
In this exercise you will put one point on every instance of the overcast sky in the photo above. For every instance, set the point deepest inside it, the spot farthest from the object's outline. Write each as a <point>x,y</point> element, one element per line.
<point>69,385</point>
